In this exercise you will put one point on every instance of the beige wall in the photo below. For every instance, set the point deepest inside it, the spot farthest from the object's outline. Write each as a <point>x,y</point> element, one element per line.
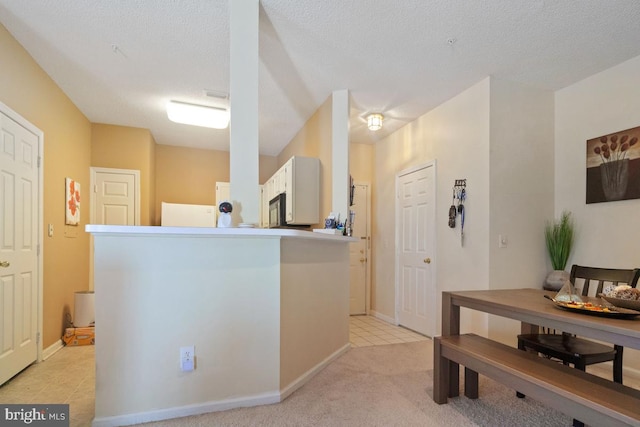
<point>361,162</point>
<point>29,91</point>
<point>521,191</point>
<point>122,147</point>
<point>456,134</point>
<point>499,137</point>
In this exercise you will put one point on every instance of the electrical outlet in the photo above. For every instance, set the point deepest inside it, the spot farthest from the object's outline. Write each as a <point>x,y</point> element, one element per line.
<point>187,358</point>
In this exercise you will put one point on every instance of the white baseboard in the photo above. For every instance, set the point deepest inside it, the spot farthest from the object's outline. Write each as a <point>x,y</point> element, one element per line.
<point>218,405</point>
<point>383,317</point>
<point>52,349</point>
<point>304,378</point>
<point>185,411</point>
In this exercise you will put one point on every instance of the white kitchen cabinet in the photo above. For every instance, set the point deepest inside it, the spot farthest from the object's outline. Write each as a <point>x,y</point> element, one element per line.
<point>300,180</point>
<point>276,184</point>
<point>264,206</point>
<point>268,190</point>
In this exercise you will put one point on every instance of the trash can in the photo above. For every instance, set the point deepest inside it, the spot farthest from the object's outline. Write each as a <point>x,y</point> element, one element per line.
<point>84,314</point>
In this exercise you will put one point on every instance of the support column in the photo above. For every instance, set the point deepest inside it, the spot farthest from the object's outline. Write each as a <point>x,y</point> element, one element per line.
<point>244,164</point>
<point>340,154</point>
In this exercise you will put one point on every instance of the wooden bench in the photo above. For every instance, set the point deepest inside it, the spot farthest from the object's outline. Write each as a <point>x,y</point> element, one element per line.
<point>583,396</point>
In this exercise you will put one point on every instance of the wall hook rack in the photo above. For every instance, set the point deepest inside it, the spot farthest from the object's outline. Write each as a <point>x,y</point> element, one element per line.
<point>457,206</point>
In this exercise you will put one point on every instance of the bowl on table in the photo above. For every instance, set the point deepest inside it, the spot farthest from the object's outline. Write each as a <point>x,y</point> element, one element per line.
<point>624,303</point>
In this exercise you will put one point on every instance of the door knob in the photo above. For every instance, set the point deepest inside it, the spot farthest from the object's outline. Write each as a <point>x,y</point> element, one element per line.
<point>363,259</point>
<point>4,264</point>
<point>427,260</point>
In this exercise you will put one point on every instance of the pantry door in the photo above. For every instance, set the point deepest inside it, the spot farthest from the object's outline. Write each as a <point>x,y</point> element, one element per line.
<point>415,250</point>
<point>115,200</point>
<point>20,242</point>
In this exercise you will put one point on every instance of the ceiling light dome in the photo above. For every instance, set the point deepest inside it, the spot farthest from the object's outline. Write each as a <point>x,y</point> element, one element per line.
<point>198,115</point>
<point>374,121</point>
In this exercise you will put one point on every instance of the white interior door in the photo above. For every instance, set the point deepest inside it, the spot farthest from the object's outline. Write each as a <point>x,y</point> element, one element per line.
<point>19,259</point>
<point>415,231</point>
<point>359,251</point>
<point>115,199</point>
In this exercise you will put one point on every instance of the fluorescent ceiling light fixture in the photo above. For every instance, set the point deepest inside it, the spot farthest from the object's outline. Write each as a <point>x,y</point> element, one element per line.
<point>374,121</point>
<point>198,115</point>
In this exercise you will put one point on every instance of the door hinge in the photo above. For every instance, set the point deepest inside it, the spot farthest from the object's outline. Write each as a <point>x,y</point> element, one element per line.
<point>37,250</point>
<point>37,337</point>
<point>95,188</point>
<point>39,161</point>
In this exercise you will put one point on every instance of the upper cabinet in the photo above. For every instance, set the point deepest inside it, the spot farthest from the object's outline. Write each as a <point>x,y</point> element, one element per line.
<point>275,185</point>
<point>302,187</point>
<point>299,179</point>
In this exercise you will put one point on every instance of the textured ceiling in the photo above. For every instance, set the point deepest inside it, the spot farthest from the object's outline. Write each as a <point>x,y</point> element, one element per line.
<point>120,61</point>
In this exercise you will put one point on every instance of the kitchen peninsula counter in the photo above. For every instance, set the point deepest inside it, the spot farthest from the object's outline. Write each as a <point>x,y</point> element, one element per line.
<point>289,233</point>
<point>266,309</point>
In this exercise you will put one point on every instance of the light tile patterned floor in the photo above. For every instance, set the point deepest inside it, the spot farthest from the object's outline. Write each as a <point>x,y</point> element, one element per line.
<point>68,376</point>
<point>367,330</point>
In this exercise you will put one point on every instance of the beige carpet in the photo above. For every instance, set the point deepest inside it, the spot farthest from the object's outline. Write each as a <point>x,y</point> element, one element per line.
<point>388,385</point>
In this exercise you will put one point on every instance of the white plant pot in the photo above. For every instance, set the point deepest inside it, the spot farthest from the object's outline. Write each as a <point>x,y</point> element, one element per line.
<point>555,280</point>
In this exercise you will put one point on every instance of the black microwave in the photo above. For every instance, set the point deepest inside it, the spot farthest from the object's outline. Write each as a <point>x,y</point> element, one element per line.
<point>277,211</point>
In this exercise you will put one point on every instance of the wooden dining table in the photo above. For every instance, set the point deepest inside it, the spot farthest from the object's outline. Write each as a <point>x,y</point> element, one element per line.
<point>533,311</point>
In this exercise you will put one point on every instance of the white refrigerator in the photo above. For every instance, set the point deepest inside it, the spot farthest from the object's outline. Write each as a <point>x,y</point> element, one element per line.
<point>181,215</point>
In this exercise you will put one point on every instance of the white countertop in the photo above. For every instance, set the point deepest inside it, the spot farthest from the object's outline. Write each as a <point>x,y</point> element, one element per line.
<point>136,230</point>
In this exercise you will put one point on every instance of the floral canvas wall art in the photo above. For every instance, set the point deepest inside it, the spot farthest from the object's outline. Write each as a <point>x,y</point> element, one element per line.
<point>72,205</point>
<point>613,166</point>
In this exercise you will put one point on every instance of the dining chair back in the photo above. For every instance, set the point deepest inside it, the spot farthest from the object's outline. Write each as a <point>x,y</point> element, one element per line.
<point>593,280</point>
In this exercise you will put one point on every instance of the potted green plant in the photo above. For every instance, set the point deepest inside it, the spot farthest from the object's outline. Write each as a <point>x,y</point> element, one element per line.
<point>558,236</point>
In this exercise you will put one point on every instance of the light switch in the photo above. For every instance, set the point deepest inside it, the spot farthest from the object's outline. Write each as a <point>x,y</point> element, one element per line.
<point>50,230</point>
<point>502,241</point>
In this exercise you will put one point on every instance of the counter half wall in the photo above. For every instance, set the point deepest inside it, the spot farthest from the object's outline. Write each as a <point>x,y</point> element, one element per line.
<point>265,310</point>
